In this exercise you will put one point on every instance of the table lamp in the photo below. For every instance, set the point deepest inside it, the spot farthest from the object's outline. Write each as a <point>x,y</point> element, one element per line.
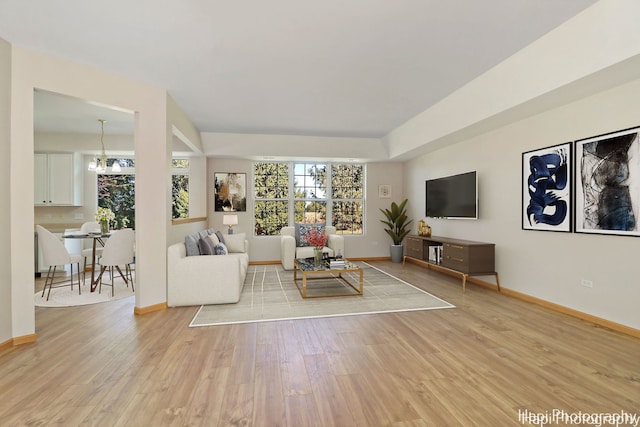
<point>230,221</point>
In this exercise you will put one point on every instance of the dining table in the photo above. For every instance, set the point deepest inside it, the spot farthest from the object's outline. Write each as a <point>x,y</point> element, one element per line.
<point>97,238</point>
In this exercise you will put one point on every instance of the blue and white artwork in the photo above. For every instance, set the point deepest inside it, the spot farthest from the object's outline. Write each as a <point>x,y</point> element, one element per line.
<point>546,197</point>
<point>608,184</point>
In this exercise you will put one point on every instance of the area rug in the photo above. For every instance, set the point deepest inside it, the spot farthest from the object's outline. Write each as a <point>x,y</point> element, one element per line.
<point>270,294</point>
<point>65,297</point>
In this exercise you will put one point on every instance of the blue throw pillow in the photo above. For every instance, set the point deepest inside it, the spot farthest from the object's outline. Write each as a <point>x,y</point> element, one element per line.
<point>303,229</point>
<point>220,249</point>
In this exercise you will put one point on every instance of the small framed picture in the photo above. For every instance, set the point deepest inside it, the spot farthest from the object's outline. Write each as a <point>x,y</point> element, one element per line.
<point>384,191</point>
<point>547,189</point>
<point>608,184</point>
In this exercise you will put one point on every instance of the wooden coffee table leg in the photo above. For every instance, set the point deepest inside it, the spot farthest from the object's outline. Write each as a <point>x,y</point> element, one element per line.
<point>361,282</point>
<point>304,284</point>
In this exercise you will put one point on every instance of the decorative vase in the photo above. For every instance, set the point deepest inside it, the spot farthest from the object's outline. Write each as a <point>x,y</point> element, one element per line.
<point>424,229</point>
<point>104,226</point>
<point>317,255</point>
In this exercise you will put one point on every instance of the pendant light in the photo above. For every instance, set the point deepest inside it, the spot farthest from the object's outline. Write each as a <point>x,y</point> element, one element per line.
<point>99,164</point>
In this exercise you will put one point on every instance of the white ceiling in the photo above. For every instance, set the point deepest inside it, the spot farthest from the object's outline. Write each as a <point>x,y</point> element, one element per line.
<point>327,68</point>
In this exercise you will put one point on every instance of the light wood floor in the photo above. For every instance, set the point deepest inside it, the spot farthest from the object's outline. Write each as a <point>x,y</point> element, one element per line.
<point>476,365</point>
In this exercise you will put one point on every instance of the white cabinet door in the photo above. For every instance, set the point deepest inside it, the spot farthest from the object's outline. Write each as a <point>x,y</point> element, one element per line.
<point>61,179</point>
<point>40,181</point>
<point>57,180</point>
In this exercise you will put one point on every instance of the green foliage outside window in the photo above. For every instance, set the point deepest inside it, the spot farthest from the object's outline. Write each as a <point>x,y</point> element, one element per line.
<point>180,196</point>
<point>317,187</point>
<point>117,192</point>
<point>347,192</point>
<point>271,207</point>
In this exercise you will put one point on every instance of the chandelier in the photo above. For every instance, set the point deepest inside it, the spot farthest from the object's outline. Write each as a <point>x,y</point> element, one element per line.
<point>99,164</point>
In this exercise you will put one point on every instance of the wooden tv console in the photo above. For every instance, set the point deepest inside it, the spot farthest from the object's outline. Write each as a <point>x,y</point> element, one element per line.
<point>463,257</point>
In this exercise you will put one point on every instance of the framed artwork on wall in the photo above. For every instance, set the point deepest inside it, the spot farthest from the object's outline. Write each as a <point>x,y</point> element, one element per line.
<point>608,183</point>
<point>384,191</point>
<point>231,192</point>
<point>547,189</point>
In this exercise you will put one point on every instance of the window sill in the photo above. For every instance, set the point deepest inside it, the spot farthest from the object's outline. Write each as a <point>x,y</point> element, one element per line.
<point>187,220</point>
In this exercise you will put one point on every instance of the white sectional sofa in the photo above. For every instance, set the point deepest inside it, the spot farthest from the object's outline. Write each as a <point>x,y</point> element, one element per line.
<point>206,279</point>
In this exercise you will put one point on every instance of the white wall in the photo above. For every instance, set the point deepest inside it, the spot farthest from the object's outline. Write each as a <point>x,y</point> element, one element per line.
<point>546,265</point>
<point>374,242</point>
<point>5,192</point>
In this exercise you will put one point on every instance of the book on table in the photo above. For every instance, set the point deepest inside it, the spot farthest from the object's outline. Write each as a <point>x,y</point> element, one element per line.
<point>336,264</point>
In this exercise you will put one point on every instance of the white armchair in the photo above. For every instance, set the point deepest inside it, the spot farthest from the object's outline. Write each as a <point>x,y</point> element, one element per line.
<point>289,251</point>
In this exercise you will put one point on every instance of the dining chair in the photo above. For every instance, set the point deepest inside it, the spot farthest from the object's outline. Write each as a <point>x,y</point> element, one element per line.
<point>129,266</point>
<point>54,254</point>
<point>118,250</point>
<point>90,227</point>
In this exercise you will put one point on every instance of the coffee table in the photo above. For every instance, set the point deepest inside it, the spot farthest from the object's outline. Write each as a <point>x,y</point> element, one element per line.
<point>320,271</point>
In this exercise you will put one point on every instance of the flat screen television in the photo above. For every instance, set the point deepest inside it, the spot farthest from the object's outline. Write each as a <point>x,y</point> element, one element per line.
<point>453,196</point>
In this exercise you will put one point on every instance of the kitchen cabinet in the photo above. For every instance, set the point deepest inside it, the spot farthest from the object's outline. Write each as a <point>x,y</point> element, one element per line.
<point>57,179</point>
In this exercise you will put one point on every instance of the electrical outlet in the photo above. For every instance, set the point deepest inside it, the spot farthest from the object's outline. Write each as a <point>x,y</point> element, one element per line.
<point>586,283</point>
<point>78,215</point>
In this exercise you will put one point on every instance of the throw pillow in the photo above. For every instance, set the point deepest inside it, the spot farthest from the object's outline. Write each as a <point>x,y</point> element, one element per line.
<point>220,236</point>
<point>191,245</point>
<point>214,239</point>
<point>206,247</point>
<point>235,242</point>
<point>302,230</point>
<point>220,249</point>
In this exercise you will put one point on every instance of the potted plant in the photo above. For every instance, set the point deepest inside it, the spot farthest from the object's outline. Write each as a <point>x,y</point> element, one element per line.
<point>398,227</point>
<point>317,239</point>
<point>103,217</point>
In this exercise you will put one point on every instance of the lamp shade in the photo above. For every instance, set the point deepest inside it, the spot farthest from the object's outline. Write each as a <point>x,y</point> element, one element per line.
<point>230,220</point>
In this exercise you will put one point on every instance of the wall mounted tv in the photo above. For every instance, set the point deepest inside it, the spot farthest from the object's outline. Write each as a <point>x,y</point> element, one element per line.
<point>453,196</point>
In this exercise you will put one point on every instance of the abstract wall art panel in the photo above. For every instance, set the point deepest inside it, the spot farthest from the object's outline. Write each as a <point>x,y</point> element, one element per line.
<point>546,188</point>
<point>231,192</point>
<point>608,183</point>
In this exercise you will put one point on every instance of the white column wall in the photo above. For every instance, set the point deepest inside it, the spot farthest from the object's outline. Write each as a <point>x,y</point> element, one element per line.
<point>31,70</point>
<point>5,193</point>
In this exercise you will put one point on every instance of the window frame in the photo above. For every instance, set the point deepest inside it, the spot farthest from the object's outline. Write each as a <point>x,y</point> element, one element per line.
<point>328,198</point>
<point>183,171</point>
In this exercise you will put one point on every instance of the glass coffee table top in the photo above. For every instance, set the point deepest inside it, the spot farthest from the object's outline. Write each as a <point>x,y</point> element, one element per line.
<point>309,264</point>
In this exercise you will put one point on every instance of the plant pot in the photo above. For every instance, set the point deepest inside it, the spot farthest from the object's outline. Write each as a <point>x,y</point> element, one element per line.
<point>317,255</point>
<point>397,252</point>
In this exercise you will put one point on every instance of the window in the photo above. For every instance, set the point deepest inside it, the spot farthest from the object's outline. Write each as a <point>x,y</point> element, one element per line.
<point>179,188</point>
<point>347,194</point>
<point>314,192</point>
<point>271,191</point>
<point>117,192</point>
<point>310,183</point>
